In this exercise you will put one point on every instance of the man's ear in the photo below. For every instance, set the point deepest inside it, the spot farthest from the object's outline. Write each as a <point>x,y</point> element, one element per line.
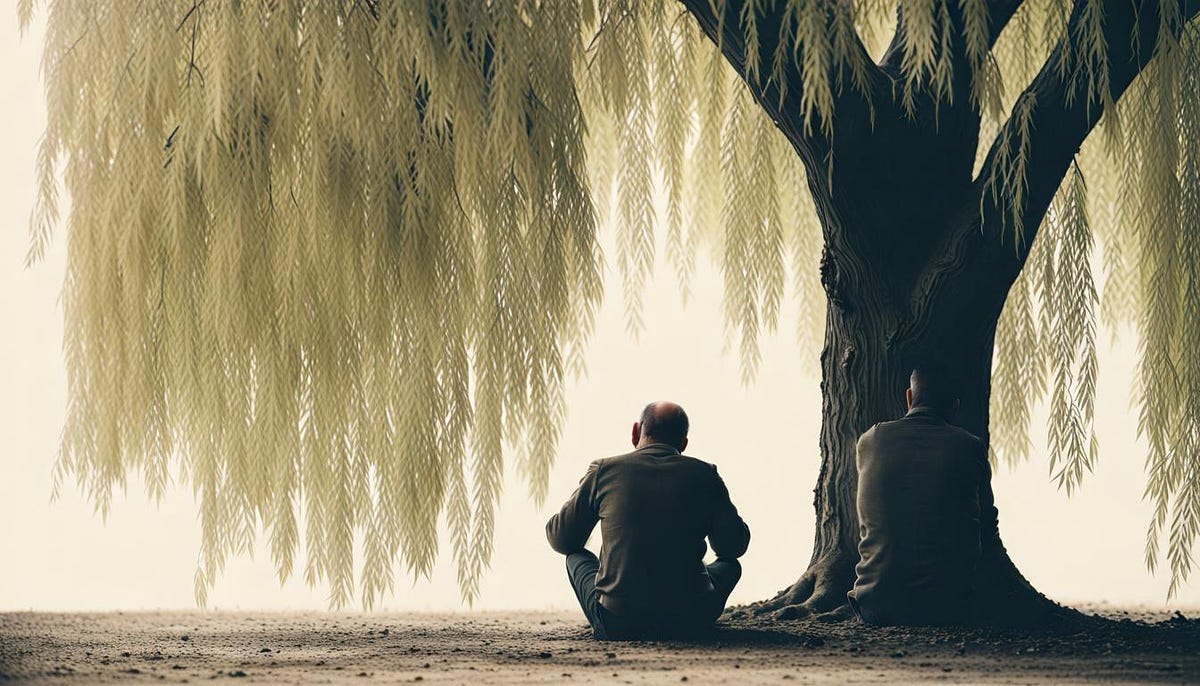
<point>908,397</point>
<point>637,433</point>
<point>683,445</point>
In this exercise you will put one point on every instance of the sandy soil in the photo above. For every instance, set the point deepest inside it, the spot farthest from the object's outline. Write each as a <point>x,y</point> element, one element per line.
<point>509,648</point>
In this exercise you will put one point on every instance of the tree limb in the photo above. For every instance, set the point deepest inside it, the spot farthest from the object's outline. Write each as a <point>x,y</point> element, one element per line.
<point>980,261</point>
<point>947,114</point>
<point>727,30</point>
<point>999,14</point>
<point>1061,118</point>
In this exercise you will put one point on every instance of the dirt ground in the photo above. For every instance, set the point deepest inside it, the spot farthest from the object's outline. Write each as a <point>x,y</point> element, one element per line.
<point>528,647</point>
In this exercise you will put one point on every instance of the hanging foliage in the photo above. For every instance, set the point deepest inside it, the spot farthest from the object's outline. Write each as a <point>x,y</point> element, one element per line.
<point>326,260</point>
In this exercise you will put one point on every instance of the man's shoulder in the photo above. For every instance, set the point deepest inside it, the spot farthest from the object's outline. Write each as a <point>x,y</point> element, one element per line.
<point>615,459</point>
<point>635,457</point>
<point>901,427</point>
<point>870,433</point>
<point>968,440</point>
<point>603,461</point>
<point>868,437</point>
<point>969,437</point>
<point>699,464</point>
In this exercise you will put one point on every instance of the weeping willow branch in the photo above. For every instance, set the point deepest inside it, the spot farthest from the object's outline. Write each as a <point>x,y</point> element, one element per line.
<point>803,62</point>
<point>1057,111</point>
<point>1051,120</point>
<point>308,312</point>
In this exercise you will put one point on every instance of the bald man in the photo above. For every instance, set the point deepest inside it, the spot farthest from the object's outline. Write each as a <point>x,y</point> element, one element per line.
<point>655,507</point>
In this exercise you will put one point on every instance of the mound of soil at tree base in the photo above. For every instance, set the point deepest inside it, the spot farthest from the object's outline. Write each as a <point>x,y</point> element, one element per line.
<point>532,647</point>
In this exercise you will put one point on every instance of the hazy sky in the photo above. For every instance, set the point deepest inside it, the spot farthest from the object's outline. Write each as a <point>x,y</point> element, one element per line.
<point>60,556</point>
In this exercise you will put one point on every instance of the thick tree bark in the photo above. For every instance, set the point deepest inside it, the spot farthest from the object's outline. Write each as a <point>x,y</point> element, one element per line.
<point>868,354</point>
<point>919,254</point>
<point>872,340</point>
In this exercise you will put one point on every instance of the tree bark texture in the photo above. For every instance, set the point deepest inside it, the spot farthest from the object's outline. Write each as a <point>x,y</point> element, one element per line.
<point>878,325</point>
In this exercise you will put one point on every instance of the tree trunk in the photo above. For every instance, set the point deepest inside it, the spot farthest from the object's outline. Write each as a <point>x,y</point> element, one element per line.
<point>871,344</point>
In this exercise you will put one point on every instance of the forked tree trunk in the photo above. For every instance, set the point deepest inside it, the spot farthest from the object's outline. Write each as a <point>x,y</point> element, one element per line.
<point>920,250</point>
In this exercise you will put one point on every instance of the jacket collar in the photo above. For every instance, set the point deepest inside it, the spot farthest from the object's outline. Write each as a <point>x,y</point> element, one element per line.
<point>658,449</point>
<point>926,411</point>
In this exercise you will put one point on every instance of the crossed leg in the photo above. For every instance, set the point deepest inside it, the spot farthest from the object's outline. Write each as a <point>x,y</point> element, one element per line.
<point>583,565</point>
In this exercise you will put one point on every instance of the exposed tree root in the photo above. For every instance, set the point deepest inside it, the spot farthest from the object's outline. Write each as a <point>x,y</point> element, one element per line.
<point>820,592</point>
<point>1006,598</point>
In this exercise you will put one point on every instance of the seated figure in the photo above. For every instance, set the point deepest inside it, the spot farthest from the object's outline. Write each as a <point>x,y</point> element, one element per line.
<point>655,507</point>
<point>925,511</point>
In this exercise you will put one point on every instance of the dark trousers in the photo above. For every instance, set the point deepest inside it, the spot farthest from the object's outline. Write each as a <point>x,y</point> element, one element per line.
<point>608,626</point>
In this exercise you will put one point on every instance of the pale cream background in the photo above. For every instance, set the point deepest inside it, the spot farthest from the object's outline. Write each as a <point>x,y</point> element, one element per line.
<point>60,556</point>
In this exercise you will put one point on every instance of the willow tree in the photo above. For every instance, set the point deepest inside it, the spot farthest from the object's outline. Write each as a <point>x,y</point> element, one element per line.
<point>326,260</point>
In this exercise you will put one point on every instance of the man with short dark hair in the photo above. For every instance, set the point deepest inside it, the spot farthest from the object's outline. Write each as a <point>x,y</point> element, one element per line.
<point>925,510</point>
<point>655,507</point>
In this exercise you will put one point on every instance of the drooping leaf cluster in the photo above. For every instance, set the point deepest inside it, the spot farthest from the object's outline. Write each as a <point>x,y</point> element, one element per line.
<point>1129,207</point>
<point>328,259</point>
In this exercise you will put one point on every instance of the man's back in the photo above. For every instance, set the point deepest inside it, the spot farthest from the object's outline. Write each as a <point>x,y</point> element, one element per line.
<point>655,508</point>
<point>923,490</point>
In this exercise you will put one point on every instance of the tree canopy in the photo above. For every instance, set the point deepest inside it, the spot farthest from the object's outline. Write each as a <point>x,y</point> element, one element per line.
<point>326,260</point>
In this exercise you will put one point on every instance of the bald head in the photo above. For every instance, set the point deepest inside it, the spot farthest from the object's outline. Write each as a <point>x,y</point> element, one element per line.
<point>662,422</point>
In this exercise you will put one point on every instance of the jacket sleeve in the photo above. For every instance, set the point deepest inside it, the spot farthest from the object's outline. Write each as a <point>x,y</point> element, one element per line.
<point>568,530</point>
<point>728,535</point>
<point>989,516</point>
<point>864,461</point>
